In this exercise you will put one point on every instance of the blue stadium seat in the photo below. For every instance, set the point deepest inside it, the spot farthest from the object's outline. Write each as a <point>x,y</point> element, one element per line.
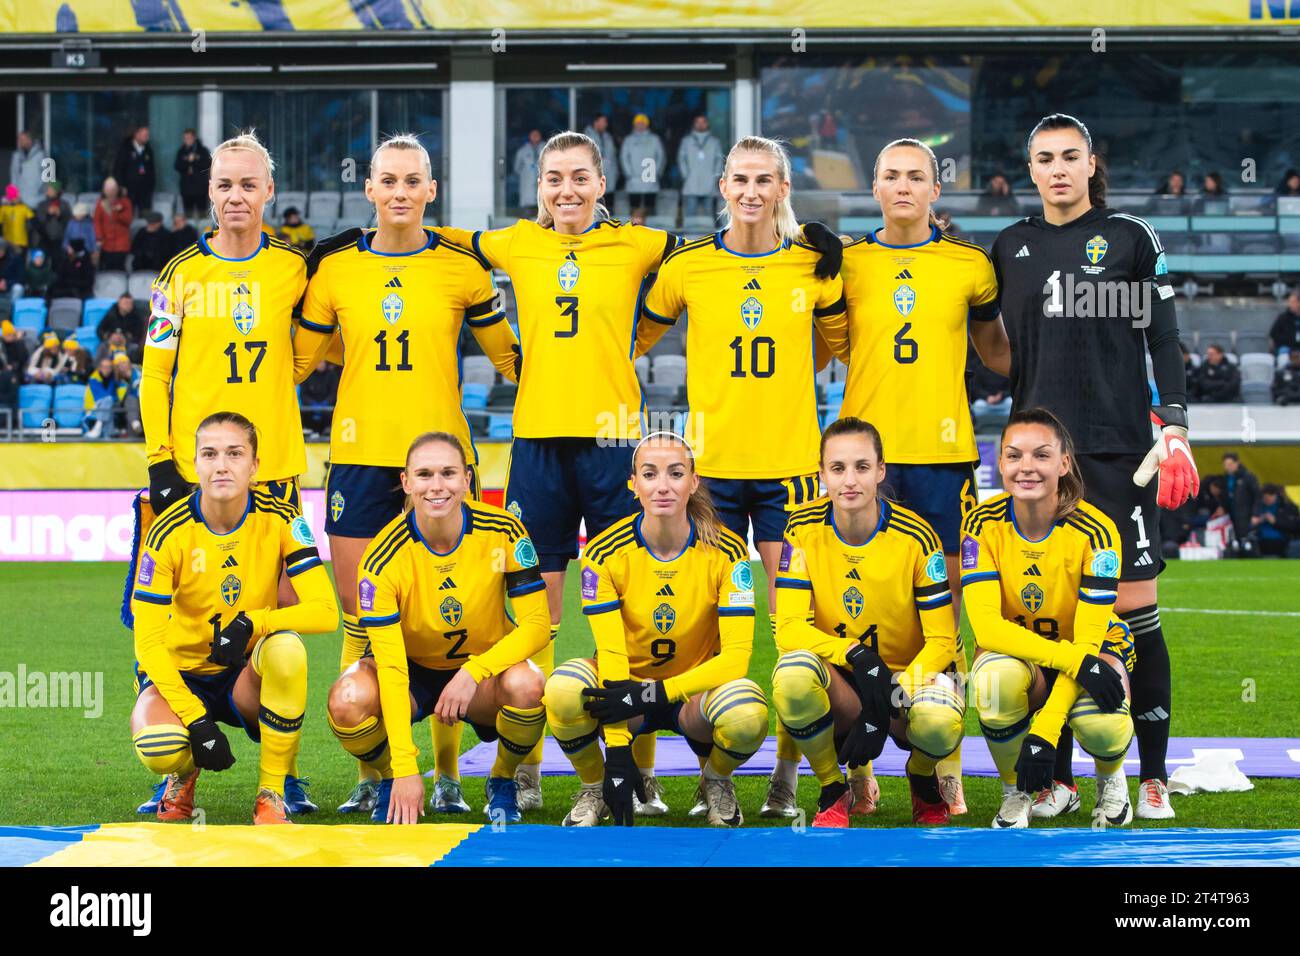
<point>34,404</point>
<point>69,405</point>
<point>88,336</point>
<point>30,313</point>
<point>500,427</point>
<point>475,394</point>
<point>835,393</point>
<point>92,310</point>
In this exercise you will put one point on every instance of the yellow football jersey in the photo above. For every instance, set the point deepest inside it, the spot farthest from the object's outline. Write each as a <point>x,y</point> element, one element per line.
<point>890,593</point>
<point>749,342</point>
<point>191,582</point>
<point>577,299</point>
<point>908,311</point>
<point>399,317</point>
<point>688,621</point>
<point>221,339</point>
<point>447,611</point>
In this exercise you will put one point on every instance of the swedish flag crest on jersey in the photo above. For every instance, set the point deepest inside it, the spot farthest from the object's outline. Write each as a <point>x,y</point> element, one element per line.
<point>231,588</point>
<point>1031,595</point>
<point>244,317</point>
<point>664,618</point>
<point>336,505</point>
<point>568,274</point>
<point>392,308</point>
<point>751,312</point>
<point>1096,248</point>
<point>904,299</point>
<point>451,611</point>
<point>853,602</point>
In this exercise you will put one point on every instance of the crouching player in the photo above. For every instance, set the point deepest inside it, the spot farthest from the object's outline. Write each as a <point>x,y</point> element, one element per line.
<point>211,644</point>
<point>1040,568</point>
<point>871,576</point>
<point>670,596</point>
<point>431,594</point>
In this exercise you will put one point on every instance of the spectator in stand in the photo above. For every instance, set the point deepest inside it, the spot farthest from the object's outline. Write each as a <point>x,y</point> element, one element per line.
<point>116,342</point>
<point>1241,493</point>
<point>1175,184</point>
<point>1290,184</point>
<point>104,393</point>
<point>26,168</point>
<point>134,169</point>
<point>321,389</point>
<point>152,245</point>
<point>296,232</point>
<point>113,215</point>
<point>1213,193</point>
<point>125,318</point>
<point>183,235</point>
<point>997,199</point>
<point>82,364</point>
<point>14,218</point>
<point>82,228</point>
<point>1276,521</point>
<point>128,378</point>
<point>11,373</point>
<point>637,216</point>
<point>604,139</point>
<point>1284,334</point>
<point>1286,381</point>
<point>989,392</point>
<point>642,159</point>
<point>75,275</point>
<point>52,218</point>
<point>193,161</point>
<point>700,159</point>
<point>11,271</point>
<point>50,364</point>
<point>1190,365</point>
<point>39,275</point>
<point>525,168</point>
<point>1218,380</point>
<point>13,348</point>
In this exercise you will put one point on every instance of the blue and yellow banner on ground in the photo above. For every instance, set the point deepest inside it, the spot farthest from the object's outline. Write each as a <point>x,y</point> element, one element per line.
<point>184,16</point>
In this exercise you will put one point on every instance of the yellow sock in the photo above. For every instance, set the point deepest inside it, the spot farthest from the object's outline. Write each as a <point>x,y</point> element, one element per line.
<point>281,661</point>
<point>921,764</point>
<point>738,713</point>
<point>1002,697</point>
<point>799,685</point>
<point>643,752</point>
<point>164,748</point>
<point>1103,736</point>
<point>368,742</point>
<point>518,730</point>
<point>545,659</point>
<point>354,645</point>
<point>446,748</point>
<point>786,748</point>
<point>575,730</point>
<point>950,766</point>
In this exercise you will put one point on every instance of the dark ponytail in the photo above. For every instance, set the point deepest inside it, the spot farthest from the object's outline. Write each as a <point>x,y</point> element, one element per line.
<point>1097,181</point>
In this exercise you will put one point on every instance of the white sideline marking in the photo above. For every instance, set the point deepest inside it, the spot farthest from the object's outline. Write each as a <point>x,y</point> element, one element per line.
<point>1207,610</point>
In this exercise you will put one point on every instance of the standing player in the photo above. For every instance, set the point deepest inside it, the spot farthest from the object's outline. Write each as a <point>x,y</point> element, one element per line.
<point>670,596</point>
<point>1085,296</point>
<point>1040,568</point>
<point>873,576</point>
<point>211,645</point>
<point>914,295</point>
<point>757,298</point>
<point>432,596</point>
<point>397,297</point>
<point>220,336</point>
<point>578,278</point>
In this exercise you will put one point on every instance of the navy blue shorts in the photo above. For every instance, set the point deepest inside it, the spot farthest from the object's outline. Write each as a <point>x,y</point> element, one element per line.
<point>287,491</point>
<point>426,687</point>
<point>216,691</point>
<point>766,502</point>
<point>941,494</point>
<point>553,483</point>
<point>364,498</point>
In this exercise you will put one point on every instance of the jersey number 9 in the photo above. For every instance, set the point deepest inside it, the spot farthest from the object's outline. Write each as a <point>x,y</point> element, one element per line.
<point>663,650</point>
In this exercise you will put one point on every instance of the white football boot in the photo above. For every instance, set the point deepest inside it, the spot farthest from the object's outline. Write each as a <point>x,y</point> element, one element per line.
<point>1153,801</point>
<point>1014,812</point>
<point>1113,809</point>
<point>588,807</point>
<point>654,805</point>
<point>1056,801</point>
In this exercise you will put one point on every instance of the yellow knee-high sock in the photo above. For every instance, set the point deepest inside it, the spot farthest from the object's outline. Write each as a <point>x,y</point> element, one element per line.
<point>354,645</point>
<point>799,685</point>
<point>446,747</point>
<point>518,731</point>
<point>575,730</point>
<point>738,712</point>
<point>1002,698</point>
<point>921,764</point>
<point>368,742</point>
<point>786,748</point>
<point>950,766</point>
<point>281,661</point>
<point>1104,736</point>
<point>545,660</point>
<point>164,748</point>
<point>643,752</point>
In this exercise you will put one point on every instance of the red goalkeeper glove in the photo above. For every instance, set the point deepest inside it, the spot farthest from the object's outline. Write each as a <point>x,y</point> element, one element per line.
<point>1172,458</point>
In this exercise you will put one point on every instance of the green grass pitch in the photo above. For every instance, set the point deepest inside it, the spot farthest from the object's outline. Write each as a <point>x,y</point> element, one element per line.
<point>1234,675</point>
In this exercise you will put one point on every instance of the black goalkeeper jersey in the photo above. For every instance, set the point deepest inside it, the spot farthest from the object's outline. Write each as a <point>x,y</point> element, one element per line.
<point>1082,303</point>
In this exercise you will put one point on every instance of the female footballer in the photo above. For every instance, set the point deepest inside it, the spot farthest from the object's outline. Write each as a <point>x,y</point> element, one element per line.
<point>863,595</point>
<point>1040,567</point>
<point>670,597</point>
<point>397,297</point>
<point>212,645</point>
<point>432,597</point>
<point>758,295</point>
<point>1085,296</point>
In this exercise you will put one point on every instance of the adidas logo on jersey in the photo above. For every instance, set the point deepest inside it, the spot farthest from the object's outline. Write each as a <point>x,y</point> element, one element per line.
<point>242,290</point>
<point>753,286</point>
<point>903,275</point>
<point>853,575</point>
<point>447,584</point>
<point>1023,253</point>
<point>1144,561</point>
<point>665,591</point>
<point>230,562</point>
<point>571,256</point>
<point>393,283</point>
<point>1033,572</point>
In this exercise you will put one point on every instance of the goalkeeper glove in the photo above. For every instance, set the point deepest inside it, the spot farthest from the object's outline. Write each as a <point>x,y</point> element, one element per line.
<point>209,746</point>
<point>166,486</point>
<point>824,240</point>
<point>1172,458</point>
<point>621,700</point>
<point>1101,683</point>
<point>519,361</point>
<point>622,779</point>
<point>231,641</point>
<point>1036,765</point>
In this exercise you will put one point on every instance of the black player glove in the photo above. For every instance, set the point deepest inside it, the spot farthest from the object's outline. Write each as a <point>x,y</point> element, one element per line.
<point>1036,764</point>
<point>873,682</point>
<point>166,486</point>
<point>230,643</point>
<point>519,361</point>
<point>824,239</point>
<point>622,779</point>
<point>622,700</point>
<point>209,745</point>
<point>1101,682</point>
<point>865,741</point>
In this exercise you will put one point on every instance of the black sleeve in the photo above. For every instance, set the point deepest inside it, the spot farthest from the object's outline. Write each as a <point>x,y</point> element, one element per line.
<point>1162,330</point>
